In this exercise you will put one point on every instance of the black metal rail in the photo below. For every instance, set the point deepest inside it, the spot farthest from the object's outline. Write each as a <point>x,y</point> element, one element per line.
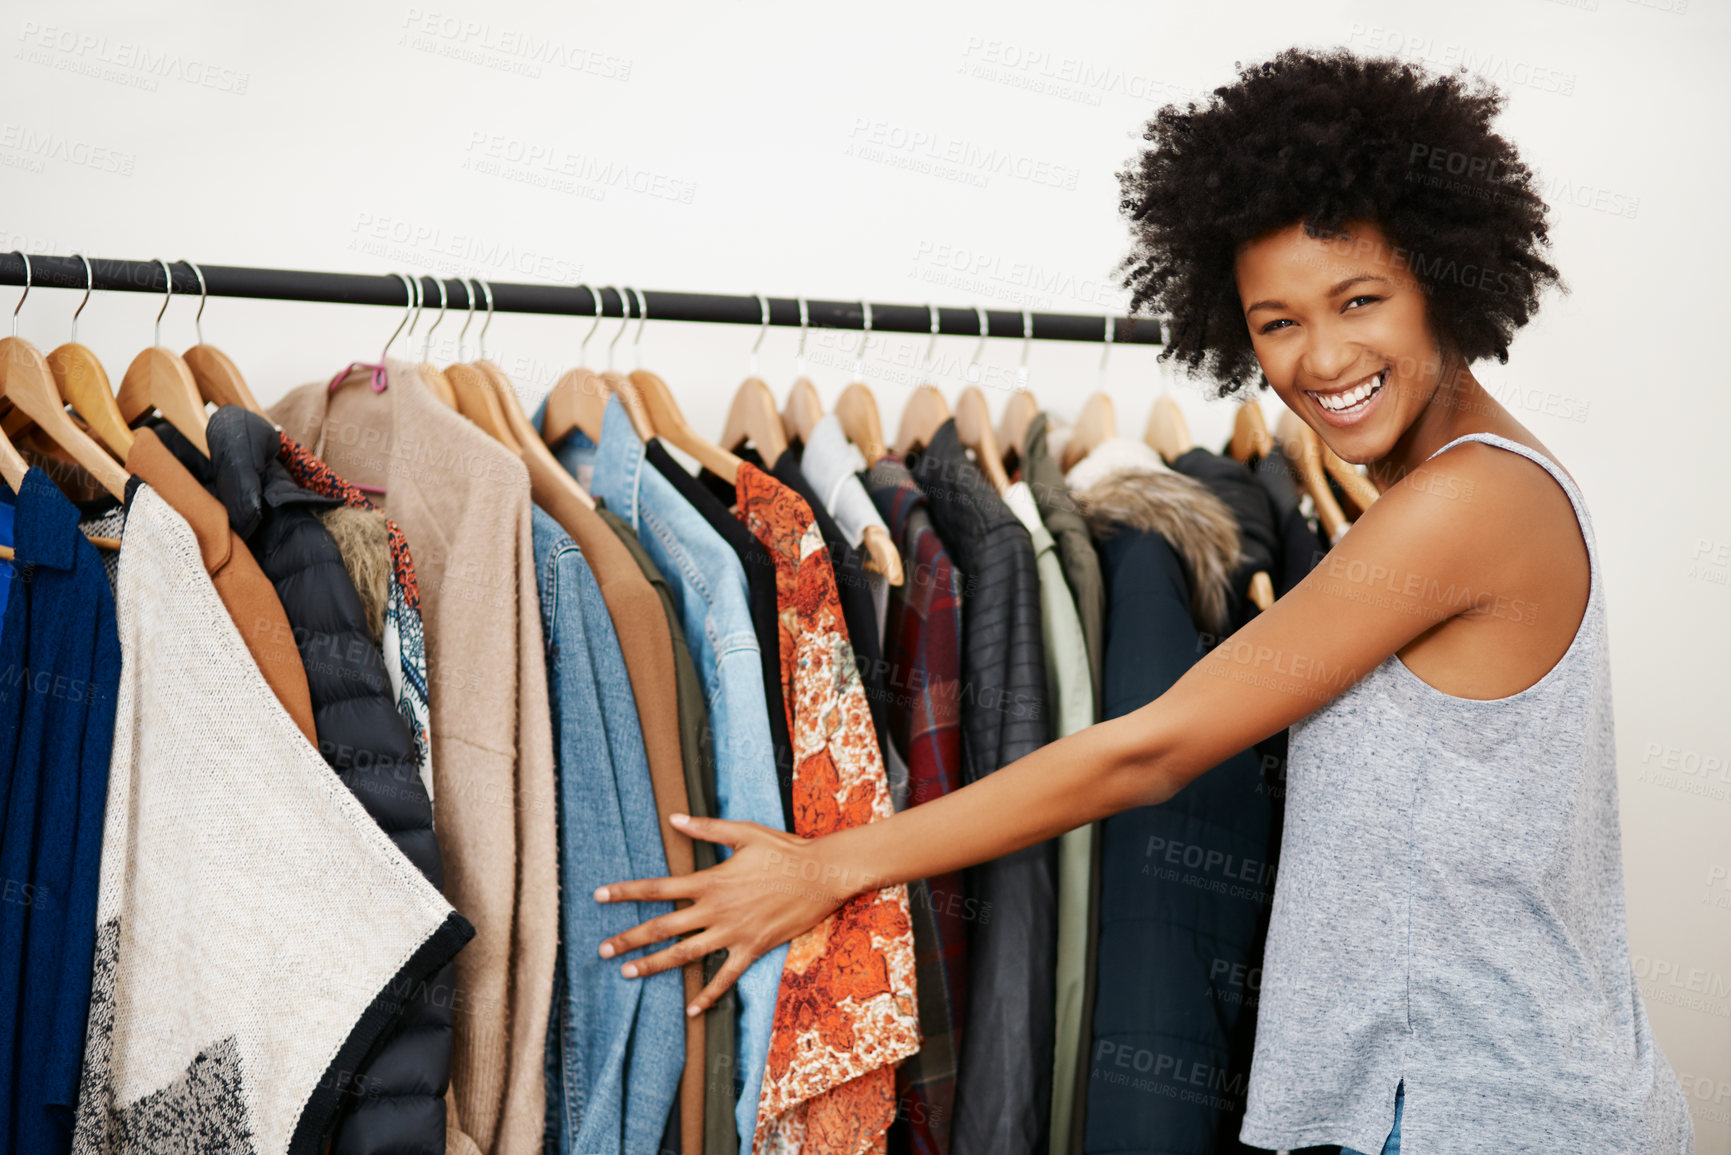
<point>68,272</point>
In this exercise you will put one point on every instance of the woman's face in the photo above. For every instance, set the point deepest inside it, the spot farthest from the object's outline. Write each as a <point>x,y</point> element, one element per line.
<point>1339,326</point>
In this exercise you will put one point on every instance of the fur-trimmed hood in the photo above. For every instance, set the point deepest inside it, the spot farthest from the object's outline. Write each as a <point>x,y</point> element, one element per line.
<point>1197,525</point>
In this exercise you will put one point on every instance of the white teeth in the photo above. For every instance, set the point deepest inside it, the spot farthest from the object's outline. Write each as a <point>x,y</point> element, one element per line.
<point>1339,402</point>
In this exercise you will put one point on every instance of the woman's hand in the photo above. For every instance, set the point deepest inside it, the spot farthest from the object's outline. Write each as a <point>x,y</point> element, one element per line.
<point>775,886</point>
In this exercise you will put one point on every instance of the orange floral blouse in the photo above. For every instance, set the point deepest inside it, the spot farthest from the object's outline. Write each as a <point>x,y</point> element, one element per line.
<point>845,1014</point>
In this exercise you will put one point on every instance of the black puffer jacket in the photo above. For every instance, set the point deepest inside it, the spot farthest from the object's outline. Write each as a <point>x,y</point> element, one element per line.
<point>395,1102</point>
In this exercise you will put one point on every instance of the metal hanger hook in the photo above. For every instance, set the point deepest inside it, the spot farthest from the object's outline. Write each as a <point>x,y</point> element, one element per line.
<point>864,337</point>
<point>89,283</point>
<point>427,341</point>
<point>415,283</point>
<point>408,307</point>
<point>642,320</point>
<point>985,331</point>
<point>804,329</point>
<point>583,349</point>
<point>198,317</point>
<point>932,344</point>
<point>763,329</point>
<point>167,276</point>
<point>474,294</point>
<point>1027,343</point>
<point>624,323</point>
<point>26,258</point>
<point>481,337</point>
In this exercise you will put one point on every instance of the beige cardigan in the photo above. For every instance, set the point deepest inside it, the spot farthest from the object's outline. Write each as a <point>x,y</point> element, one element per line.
<point>462,500</point>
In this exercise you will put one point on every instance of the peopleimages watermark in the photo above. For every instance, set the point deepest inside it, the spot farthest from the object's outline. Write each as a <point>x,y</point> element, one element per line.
<point>1711,561</point>
<point>451,252</point>
<point>1705,775</point>
<point>551,165</point>
<point>122,62</point>
<point>1494,66</point>
<point>1021,281</point>
<point>29,149</point>
<point>503,47</point>
<point>1040,70</point>
<point>934,153</point>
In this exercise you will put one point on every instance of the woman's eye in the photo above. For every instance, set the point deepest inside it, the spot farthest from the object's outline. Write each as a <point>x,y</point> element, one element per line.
<point>1270,327</point>
<point>1356,300</point>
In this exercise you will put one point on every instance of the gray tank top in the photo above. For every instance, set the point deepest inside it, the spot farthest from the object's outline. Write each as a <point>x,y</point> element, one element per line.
<point>1449,913</point>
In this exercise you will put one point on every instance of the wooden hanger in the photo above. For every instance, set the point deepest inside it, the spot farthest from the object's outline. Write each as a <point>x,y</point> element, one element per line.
<point>479,386</point>
<point>926,410</point>
<point>1250,435</point>
<point>752,416</point>
<point>924,413</point>
<point>630,397</point>
<point>974,430</point>
<point>578,399</point>
<point>83,384</point>
<point>13,467</point>
<point>662,417</point>
<point>434,376</point>
<point>631,400</point>
<point>803,410</point>
<point>551,486</point>
<point>1251,439</point>
<point>857,410</point>
<point>1360,490</point>
<point>219,382</point>
<point>1019,410</point>
<point>1304,449</point>
<point>1167,433</point>
<point>27,382</point>
<point>159,379</point>
<point>478,400</point>
<point>671,427</point>
<point>546,475</point>
<point>1098,422</point>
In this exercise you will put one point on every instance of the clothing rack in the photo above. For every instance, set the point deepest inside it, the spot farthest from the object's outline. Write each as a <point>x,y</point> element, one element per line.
<point>68,272</point>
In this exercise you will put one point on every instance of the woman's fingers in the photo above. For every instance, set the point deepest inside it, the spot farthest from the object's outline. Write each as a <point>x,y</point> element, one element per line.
<point>655,930</point>
<point>649,889</point>
<point>675,956</point>
<point>726,831</point>
<point>737,963</point>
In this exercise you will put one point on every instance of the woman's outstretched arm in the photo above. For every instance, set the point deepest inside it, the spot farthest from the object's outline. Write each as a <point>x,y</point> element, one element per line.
<point>1380,587</point>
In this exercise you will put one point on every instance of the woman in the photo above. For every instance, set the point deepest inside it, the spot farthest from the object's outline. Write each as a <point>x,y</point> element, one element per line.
<point>1448,920</point>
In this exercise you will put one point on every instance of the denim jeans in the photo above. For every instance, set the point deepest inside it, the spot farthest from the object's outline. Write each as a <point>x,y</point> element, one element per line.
<point>1391,1146</point>
<point>708,584</point>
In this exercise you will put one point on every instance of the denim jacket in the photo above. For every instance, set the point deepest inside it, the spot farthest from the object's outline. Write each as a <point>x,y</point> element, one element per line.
<point>709,586</point>
<point>615,1046</point>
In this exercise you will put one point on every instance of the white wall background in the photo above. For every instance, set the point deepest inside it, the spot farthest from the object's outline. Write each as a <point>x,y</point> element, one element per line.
<point>798,149</point>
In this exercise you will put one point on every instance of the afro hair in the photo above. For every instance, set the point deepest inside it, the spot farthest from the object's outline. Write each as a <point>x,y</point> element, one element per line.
<point>1326,138</point>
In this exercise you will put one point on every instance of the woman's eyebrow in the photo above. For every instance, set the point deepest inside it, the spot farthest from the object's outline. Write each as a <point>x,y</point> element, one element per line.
<point>1333,291</point>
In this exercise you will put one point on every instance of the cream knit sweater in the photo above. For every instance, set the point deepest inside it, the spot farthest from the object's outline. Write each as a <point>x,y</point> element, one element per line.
<point>252,918</point>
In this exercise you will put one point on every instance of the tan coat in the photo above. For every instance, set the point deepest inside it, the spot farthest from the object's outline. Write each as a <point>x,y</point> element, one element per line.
<point>462,500</point>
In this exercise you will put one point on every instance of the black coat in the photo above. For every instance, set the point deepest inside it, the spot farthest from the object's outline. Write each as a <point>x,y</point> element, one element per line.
<point>1004,1073</point>
<point>395,1102</point>
<point>1185,893</point>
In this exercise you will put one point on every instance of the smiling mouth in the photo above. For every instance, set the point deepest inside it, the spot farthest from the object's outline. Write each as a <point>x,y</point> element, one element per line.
<point>1346,402</point>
